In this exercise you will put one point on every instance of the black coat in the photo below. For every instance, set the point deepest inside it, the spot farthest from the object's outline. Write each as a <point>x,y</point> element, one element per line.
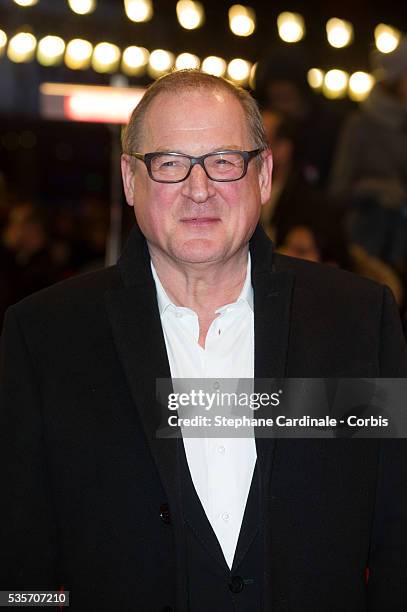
<point>85,483</point>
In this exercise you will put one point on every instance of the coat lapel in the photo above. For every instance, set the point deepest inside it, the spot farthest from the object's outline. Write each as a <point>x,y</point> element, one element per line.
<point>272,313</point>
<point>139,340</point>
<point>272,309</point>
<point>135,321</point>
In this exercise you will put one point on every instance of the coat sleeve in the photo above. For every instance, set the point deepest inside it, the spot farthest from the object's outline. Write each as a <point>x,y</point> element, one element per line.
<point>387,582</point>
<point>27,531</point>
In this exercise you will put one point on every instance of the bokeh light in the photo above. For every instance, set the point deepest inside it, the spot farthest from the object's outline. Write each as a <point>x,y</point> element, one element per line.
<point>339,32</point>
<point>160,62</point>
<point>387,38</point>
<point>214,65</point>
<point>187,60</point>
<point>291,27</point>
<point>82,7</point>
<point>239,70</point>
<point>78,54</point>
<point>3,42</point>
<point>360,84</point>
<point>134,60</point>
<point>21,47</point>
<point>26,2</point>
<point>106,57</point>
<point>315,78</point>
<point>335,84</point>
<point>190,14</point>
<point>138,10</point>
<point>242,20</point>
<point>50,50</point>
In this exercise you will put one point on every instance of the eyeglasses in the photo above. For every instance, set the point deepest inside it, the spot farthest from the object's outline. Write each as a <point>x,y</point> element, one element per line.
<point>222,166</point>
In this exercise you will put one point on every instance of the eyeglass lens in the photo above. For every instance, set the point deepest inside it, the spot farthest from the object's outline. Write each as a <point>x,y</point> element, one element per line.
<point>219,166</point>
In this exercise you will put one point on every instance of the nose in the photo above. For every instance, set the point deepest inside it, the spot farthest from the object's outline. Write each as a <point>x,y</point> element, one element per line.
<point>198,187</point>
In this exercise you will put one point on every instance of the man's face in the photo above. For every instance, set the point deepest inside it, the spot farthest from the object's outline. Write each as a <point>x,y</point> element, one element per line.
<point>197,220</point>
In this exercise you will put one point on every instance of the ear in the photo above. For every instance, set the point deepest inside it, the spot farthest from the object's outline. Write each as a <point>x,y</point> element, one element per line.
<point>128,178</point>
<point>265,176</point>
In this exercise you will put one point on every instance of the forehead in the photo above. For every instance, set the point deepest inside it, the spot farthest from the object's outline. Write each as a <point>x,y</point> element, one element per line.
<point>199,119</point>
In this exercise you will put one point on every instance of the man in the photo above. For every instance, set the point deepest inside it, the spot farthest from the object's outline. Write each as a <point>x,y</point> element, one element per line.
<point>94,501</point>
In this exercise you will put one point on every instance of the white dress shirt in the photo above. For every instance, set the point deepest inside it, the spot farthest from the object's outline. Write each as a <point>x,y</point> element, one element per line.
<point>221,469</point>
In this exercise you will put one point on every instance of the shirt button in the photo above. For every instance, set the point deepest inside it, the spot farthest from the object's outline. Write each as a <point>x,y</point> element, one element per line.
<point>178,315</point>
<point>225,517</point>
<point>221,450</point>
<point>216,385</point>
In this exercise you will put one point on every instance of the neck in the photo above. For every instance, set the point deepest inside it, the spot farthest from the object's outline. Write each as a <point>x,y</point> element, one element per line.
<point>202,287</point>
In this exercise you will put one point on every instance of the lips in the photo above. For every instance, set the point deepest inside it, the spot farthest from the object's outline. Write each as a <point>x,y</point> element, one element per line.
<point>200,220</point>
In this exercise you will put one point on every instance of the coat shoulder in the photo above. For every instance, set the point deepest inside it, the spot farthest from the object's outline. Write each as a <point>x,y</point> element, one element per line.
<point>323,279</point>
<point>69,308</point>
<point>78,289</point>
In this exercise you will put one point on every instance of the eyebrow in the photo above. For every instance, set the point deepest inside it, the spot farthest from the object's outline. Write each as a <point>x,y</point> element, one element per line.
<point>214,150</point>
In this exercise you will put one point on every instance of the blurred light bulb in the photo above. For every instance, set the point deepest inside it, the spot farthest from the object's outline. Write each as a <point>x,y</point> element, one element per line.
<point>242,20</point>
<point>106,57</point>
<point>315,78</point>
<point>186,60</point>
<point>78,54</point>
<point>360,84</point>
<point>190,14</point>
<point>21,47</point>
<point>252,77</point>
<point>50,50</point>
<point>3,42</point>
<point>26,2</point>
<point>239,70</point>
<point>160,62</point>
<point>387,38</point>
<point>82,7</point>
<point>214,65</point>
<point>339,32</point>
<point>335,84</point>
<point>134,60</point>
<point>138,10</point>
<point>291,27</point>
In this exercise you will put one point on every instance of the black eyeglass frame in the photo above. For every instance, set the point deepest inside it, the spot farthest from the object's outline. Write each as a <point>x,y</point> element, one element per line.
<point>147,158</point>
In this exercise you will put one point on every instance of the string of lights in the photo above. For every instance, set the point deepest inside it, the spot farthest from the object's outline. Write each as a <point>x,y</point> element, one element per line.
<point>134,61</point>
<point>242,21</point>
<point>104,57</point>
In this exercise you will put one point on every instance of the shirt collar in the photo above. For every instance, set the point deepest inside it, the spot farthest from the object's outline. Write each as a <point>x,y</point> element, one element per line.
<point>164,302</point>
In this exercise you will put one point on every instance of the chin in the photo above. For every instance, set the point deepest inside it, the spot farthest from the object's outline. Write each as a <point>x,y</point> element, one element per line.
<point>199,251</point>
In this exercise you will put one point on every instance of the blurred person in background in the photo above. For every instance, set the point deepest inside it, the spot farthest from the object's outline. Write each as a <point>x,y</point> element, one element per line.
<point>369,174</point>
<point>8,278</point>
<point>93,234</point>
<point>292,194</point>
<point>26,238</point>
<point>40,247</point>
<point>302,218</point>
<point>322,239</point>
<point>4,202</point>
<point>281,87</point>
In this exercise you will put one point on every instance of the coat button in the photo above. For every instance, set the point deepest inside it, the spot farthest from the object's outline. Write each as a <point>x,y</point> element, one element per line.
<point>165,514</point>
<point>236,584</point>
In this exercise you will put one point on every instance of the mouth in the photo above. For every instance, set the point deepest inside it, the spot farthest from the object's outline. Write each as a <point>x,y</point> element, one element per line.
<point>200,221</point>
